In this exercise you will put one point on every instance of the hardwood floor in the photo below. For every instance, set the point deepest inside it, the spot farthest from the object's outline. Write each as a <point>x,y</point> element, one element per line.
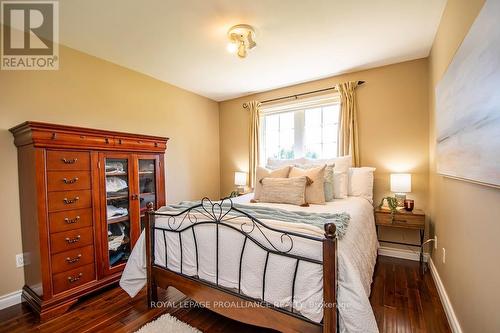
<point>405,301</point>
<point>402,300</point>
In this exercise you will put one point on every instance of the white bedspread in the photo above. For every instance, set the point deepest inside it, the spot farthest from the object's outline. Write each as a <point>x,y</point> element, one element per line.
<point>357,252</point>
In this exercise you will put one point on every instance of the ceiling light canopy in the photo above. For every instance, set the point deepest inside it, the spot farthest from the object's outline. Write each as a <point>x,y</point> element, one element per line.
<point>241,39</point>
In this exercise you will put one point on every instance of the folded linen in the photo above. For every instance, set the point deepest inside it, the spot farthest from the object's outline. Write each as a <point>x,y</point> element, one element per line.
<point>113,211</point>
<point>115,184</point>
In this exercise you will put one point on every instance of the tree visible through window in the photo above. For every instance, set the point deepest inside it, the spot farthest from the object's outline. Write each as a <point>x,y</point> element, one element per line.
<point>309,132</point>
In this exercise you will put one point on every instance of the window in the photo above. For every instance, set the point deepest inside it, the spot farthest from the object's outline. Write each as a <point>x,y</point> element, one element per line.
<point>300,129</point>
<point>279,135</point>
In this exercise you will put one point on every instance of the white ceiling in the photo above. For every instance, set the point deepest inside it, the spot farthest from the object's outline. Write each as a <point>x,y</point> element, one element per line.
<point>184,42</point>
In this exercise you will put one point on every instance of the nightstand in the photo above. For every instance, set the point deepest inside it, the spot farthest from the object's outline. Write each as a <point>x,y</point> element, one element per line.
<point>403,219</point>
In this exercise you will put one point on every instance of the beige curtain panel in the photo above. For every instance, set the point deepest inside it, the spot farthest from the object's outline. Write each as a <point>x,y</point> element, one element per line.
<point>254,108</point>
<point>348,128</point>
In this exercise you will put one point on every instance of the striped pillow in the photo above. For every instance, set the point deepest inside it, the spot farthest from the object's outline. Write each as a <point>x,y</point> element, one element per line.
<point>284,190</point>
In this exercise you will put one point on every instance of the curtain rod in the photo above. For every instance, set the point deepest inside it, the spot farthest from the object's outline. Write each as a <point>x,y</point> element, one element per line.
<point>245,105</point>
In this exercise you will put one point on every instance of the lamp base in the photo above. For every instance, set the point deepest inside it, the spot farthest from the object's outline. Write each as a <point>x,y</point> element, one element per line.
<point>401,197</point>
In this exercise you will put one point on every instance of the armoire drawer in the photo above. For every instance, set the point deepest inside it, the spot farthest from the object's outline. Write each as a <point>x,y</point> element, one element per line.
<point>141,144</point>
<point>69,200</point>
<point>70,220</point>
<point>65,139</point>
<point>73,278</point>
<point>68,180</point>
<point>68,160</point>
<point>65,261</point>
<point>68,240</point>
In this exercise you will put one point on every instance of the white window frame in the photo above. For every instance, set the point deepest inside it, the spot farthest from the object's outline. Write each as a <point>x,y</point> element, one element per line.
<point>298,107</point>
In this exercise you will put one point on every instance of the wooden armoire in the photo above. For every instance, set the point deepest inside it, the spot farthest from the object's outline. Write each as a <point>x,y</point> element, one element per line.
<point>83,193</point>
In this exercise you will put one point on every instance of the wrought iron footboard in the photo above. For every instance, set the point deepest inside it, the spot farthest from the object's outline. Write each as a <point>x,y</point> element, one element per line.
<point>220,215</point>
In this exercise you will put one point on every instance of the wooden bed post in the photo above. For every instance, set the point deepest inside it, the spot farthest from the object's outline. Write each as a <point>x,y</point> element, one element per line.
<point>330,279</point>
<point>151,284</point>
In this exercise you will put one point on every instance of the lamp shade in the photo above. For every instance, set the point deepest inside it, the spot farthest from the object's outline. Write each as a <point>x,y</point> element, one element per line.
<point>400,182</point>
<point>240,178</point>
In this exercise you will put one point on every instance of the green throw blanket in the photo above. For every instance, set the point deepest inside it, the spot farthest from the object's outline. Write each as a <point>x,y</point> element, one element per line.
<point>341,220</point>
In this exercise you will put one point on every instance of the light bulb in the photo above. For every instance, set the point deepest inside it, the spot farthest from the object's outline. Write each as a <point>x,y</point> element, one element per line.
<point>232,47</point>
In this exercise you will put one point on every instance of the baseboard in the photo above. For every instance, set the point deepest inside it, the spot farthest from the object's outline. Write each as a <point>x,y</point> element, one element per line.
<point>448,308</point>
<point>10,299</point>
<point>401,253</point>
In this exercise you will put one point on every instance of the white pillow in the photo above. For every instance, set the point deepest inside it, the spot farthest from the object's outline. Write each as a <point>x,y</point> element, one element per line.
<point>342,163</point>
<point>340,182</point>
<point>361,183</point>
<point>274,163</point>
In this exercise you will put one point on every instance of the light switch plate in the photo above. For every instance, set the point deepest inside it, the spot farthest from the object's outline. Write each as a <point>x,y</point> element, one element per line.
<point>19,260</point>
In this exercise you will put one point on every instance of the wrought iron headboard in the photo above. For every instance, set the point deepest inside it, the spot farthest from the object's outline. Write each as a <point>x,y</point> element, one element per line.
<point>218,214</point>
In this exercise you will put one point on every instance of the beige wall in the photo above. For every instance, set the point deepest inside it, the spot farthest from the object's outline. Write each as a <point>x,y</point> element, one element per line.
<point>464,216</point>
<point>90,92</point>
<point>393,127</point>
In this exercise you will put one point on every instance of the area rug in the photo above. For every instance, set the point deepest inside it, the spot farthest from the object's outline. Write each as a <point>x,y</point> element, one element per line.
<point>167,323</point>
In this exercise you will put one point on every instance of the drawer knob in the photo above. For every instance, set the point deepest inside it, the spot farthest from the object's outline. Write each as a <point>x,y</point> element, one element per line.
<point>70,181</point>
<point>73,240</point>
<point>401,221</point>
<point>70,221</point>
<point>73,260</point>
<point>69,161</point>
<point>70,201</point>
<point>75,278</point>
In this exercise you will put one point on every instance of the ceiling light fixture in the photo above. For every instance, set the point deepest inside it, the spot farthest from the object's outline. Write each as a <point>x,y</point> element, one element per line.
<point>241,39</point>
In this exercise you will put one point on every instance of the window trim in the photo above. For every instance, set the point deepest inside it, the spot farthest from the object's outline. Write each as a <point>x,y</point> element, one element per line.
<point>299,119</point>
<point>300,104</point>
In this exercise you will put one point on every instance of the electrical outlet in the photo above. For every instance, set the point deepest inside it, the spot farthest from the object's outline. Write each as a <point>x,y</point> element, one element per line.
<point>444,255</point>
<point>19,260</point>
<point>435,242</point>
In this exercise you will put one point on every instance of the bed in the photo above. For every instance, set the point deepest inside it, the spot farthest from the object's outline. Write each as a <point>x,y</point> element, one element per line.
<point>265,272</point>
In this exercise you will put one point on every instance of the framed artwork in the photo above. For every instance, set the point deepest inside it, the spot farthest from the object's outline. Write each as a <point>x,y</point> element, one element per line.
<point>468,105</point>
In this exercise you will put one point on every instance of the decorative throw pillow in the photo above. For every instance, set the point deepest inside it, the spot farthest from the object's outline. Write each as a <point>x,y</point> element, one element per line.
<point>266,173</point>
<point>340,175</point>
<point>284,190</point>
<point>327,181</point>
<point>361,183</point>
<point>315,193</point>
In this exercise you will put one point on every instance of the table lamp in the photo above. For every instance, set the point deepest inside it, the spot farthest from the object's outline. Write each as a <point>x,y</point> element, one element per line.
<point>240,180</point>
<point>400,185</point>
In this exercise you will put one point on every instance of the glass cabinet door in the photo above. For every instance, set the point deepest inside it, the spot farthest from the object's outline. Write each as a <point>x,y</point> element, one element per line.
<point>117,210</point>
<point>147,184</point>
